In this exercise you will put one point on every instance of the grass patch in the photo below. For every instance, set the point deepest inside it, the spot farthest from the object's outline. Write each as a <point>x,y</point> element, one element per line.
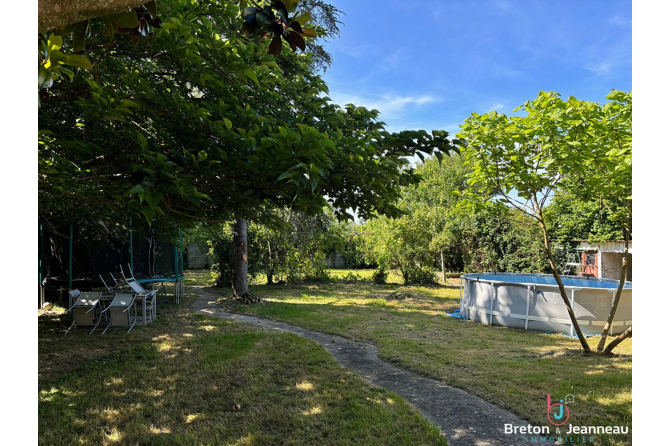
<point>194,379</point>
<point>201,277</point>
<point>514,369</point>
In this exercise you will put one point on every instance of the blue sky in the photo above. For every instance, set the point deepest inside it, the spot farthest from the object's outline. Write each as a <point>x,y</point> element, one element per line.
<point>428,65</point>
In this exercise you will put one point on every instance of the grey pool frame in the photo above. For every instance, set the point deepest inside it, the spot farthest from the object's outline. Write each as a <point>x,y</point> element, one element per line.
<point>533,302</point>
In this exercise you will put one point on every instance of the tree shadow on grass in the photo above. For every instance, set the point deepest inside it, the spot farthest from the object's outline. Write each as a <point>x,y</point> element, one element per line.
<point>200,380</point>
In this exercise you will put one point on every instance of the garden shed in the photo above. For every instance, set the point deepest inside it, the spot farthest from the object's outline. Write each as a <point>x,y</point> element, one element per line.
<point>603,260</point>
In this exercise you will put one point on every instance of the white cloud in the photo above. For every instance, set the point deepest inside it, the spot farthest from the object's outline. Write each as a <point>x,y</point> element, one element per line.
<point>389,106</point>
<point>600,69</point>
<point>497,107</point>
<point>617,20</point>
<point>394,59</point>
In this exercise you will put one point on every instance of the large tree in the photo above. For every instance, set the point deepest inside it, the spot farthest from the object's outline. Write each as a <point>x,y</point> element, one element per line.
<point>522,160</point>
<point>200,123</point>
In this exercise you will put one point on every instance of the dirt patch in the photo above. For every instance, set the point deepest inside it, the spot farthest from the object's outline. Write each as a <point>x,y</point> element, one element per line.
<point>397,295</point>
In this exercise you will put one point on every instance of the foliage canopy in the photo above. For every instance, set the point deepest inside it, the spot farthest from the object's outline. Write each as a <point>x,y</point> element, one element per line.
<point>199,122</point>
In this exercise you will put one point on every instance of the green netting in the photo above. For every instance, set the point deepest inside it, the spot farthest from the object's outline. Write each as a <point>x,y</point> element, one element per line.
<point>98,248</point>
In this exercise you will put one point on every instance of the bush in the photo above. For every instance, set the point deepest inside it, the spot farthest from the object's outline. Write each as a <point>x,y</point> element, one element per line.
<point>315,272</point>
<point>379,276</point>
<point>222,269</point>
<point>351,278</point>
<point>400,244</point>
<point>420,276</point>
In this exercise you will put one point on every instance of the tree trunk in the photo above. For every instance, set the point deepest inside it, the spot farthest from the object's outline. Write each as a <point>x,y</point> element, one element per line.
<point>270,271</point>
<point>557,277</point>
<point>617,297</point>
<point>240,261</point>
<point>55,14</point>
<point>444,276</point>
<point>626,334</point>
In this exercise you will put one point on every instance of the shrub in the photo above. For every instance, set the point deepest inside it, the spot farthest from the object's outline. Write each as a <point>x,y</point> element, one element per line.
<point>379,276</point>
<point>420,276</point>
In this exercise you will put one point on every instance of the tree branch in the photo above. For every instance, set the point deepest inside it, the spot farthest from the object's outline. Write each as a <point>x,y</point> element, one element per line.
<point>55,14</point>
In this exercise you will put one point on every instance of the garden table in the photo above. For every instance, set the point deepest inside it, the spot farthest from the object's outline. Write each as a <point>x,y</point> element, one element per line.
<point>177,280</point>
<point>142,298</point>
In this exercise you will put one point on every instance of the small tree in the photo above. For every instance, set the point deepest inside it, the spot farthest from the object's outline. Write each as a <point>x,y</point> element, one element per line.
<point>608,179</point>
<point>293,250</point>
<point>401,244</point>
<point>522,160</point>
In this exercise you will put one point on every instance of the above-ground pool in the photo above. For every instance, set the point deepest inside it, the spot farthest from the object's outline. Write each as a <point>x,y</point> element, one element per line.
<point>533,302</point>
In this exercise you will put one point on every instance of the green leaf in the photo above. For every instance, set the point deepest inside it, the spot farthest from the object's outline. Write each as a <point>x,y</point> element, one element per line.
<point>263,19</point>
<point>152,8</point>
<point>126,19</point>
<point>42,75</point>
<point>153,198</point>
<point>303,17</point>
<point>141,139</point>
<point>307,32</point>
<point>110,28</point>
<point>55,42</point>
<point>251,75</point>
<point>78,60</point>
<point>285,175</point>
<point>80,32</point>
<point>290,5</point>
<point>137,189</point>
<point>249,14</point>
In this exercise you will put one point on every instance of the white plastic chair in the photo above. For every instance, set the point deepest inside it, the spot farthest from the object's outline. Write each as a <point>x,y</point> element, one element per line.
<point>133,279</point>
<point>122,312</point>
<point>84,310</point>
<point>72,297</point>
<point>148,301</point>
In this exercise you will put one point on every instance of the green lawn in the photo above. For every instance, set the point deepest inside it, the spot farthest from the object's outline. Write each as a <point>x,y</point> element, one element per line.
<point>193,379</point>
<point>514,369</point>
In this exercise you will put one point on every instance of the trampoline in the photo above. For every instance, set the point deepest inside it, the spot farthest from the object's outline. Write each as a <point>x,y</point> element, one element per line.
<point>74,253</point>
<point>533,302</point>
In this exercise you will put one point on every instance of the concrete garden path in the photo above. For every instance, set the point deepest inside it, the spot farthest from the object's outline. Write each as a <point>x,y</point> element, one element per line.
<point>465,419</point>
